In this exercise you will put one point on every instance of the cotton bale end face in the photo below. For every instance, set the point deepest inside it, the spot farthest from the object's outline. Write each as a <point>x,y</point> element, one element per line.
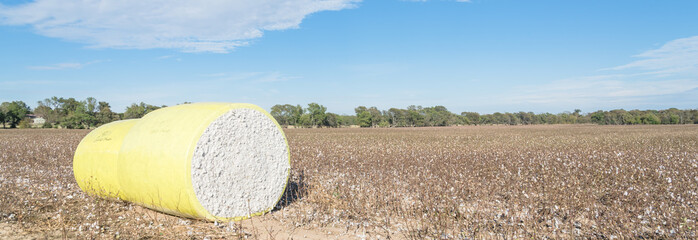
<point>215,161</point>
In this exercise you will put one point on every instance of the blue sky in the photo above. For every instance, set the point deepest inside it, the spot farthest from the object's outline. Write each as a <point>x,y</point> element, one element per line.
<point>479,55</point>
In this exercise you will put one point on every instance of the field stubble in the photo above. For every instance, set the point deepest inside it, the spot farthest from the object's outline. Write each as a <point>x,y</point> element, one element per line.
<point>559,181</point>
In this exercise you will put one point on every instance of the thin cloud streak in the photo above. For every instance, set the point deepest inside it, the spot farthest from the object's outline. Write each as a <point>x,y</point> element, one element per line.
<point>58,66</point>
<point>680,55</point>
<point>63,66</point>
<point>600,91</point>
<point>669,70</point>
<point>250,77</point>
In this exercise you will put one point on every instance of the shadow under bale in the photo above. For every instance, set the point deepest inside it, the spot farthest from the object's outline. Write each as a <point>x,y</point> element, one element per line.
<point>295,190</point>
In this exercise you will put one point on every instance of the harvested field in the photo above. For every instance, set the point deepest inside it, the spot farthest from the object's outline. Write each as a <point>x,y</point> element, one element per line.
<point>558,181</point>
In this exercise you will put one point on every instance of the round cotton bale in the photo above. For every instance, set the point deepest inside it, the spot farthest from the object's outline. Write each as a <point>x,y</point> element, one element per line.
<point>215,161</point>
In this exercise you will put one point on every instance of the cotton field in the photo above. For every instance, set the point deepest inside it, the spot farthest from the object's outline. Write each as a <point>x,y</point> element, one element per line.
<point>543,181</point>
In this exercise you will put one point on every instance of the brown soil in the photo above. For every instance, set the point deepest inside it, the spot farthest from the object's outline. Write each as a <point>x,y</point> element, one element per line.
<point>492,182</point>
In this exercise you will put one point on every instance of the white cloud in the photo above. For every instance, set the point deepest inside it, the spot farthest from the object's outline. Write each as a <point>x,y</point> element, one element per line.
<point>250,77</point>
<point>670,70</point>
<point>680,55</point>
<point>62,66</point>
<point>600,91</point>
<point>210,25</point>
<point>173,57</point>
<point>57,66</point>
<point>274,77</point>
<point>428,0</point>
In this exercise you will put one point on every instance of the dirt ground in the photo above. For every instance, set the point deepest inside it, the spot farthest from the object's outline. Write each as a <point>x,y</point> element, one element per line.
<point>475,182</point>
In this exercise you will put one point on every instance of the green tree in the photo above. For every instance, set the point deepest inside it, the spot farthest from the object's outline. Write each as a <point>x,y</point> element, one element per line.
<point>317,114</point>
<point>305,120</point>
<point>415,116</point>
<point>105,114</point>
<point>376,116</point>
<point>79,119</point>
<point>495,118</point>
<point>24,123</point>
<point>68,106</point>
<point>526,118</point>
<point>650,118</point>
<point>54,102</point>
<point>398,117</point>
<point>598,117</point>
<point>347,120</point>
<point>364,119</point>
<point>45,112</point>
<point>90,105</point>
<point>333,120</point>
<point>139,110</point>
<point>279,113</point>
<point>134,111</point>
<point>551,118</point>
<point>287,114</point>
<point>363,116</point>
<point>3,114</point>
<point>296,115</point>
<point>437,116</point>
<point>473,117</point>
<point>14,112</point>
<point>628,118</point>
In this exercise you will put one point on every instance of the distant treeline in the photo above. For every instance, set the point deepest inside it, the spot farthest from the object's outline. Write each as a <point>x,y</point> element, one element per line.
<point>71,113</point>
<point>315,115</point>
<point>67,113</point>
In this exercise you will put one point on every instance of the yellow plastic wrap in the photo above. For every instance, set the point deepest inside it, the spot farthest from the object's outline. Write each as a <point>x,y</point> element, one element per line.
<point>148,161</point>
<point>94,164</point>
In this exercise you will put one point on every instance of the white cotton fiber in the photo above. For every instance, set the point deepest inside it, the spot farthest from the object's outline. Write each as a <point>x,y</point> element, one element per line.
<point>240,165</point>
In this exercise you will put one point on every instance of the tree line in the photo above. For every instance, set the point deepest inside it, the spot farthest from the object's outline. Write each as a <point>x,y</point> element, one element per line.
<point>75,114</point>
<point>68,113</point>
<point>315,115</point>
